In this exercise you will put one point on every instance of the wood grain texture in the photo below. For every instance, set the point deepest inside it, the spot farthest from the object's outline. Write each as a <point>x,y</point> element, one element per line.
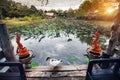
<point>60,71</point>
<point>6,43</point>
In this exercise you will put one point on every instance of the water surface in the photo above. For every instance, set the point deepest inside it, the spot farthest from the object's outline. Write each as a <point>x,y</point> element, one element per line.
<point>63,47</point>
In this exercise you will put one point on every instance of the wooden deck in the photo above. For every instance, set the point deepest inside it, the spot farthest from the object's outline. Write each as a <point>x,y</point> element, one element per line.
<point>69,72</point>
<point>59,78</point>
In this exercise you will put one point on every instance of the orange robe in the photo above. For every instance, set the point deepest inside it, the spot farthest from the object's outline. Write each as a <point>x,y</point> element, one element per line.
<point>95,46</point>
<point>22,51</point>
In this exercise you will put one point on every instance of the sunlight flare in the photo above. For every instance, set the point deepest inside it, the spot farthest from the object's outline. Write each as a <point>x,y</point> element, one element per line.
<point>110,10</point>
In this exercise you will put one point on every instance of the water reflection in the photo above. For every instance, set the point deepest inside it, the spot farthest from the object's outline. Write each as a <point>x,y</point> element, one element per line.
<point>58,47</point>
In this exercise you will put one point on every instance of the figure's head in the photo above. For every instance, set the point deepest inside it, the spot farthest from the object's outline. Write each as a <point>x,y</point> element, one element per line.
<point>47,58</point>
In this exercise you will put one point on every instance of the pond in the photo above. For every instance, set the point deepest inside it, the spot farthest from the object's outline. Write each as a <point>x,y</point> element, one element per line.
<point>68,44</point>
<point>71,52</point>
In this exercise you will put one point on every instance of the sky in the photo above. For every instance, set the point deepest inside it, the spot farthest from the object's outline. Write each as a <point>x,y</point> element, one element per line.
<point>53,4</point>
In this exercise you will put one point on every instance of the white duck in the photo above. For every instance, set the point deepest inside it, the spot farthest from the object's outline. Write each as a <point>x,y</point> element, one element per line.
<point>53,62</point>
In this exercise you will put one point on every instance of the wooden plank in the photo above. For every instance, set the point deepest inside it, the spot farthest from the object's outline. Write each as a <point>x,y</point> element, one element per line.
<point>55,74</point>
<point>61,71</point>
<point>14,74</point>
<point>10,76</point>
<point>2,60</point>
<point>59,78</point>
<point>59,68</point>
<point>4,69</point>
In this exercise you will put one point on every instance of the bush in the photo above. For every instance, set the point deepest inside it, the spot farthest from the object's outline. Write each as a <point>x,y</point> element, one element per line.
<point>7,18</point>
<point>21,19</point>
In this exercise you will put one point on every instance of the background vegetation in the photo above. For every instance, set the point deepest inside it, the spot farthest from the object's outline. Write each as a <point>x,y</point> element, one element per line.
<point>89,9</point>
<point>16,14</point>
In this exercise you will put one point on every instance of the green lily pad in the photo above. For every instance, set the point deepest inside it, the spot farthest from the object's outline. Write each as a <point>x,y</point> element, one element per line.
<point>33,64</point>
<point>87,60</point>
<point>72,58</point>
<point>25,31</point>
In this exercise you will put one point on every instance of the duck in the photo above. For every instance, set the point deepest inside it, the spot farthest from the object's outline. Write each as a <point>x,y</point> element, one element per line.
<point>53,62</point>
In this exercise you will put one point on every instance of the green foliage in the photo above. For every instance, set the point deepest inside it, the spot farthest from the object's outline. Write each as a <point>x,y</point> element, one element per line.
<point>33,9</point>
<point>27,18</point>
<point>70,13</point>
<point>72,58</point>
<point>86,5</point>
<point>34,17</point>
<point>89,6</point>
<point>18,10</point>
<point>86,10</point>
<point>7,18</point>
<point>33,64</point>
<point>4,7</point>
<point>12,9</point>
<point>87,60</point>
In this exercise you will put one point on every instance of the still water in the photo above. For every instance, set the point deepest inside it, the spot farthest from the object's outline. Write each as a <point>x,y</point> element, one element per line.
<point>68,48</point>
<point>59,38</point>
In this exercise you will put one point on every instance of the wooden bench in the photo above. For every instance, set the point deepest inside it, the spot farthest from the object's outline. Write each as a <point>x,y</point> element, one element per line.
<point>15,71</point>
<point>109,69</point>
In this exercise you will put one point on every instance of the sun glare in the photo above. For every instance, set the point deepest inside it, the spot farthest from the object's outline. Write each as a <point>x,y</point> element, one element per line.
<point>109,10</point>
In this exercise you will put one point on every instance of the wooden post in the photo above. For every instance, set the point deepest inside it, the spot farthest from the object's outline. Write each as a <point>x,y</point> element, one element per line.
<point>6,44</point>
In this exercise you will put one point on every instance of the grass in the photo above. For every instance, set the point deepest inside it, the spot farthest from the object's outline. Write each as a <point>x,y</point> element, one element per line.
<point>27,20</point>
<point>105,24</point>
<point>13,23</point>
<point>16,22</point>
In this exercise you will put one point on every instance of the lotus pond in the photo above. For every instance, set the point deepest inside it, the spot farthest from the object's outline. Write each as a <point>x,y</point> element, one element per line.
<point>61,39</point>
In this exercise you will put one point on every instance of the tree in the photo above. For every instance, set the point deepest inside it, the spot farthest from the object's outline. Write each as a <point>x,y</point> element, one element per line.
<point>70,13</point>
<point>18,10</point>
<point>4,7</point>
<point>41,12</point>
<point>33,9</point>
<point>97,9</point>
<point>90,6</point>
